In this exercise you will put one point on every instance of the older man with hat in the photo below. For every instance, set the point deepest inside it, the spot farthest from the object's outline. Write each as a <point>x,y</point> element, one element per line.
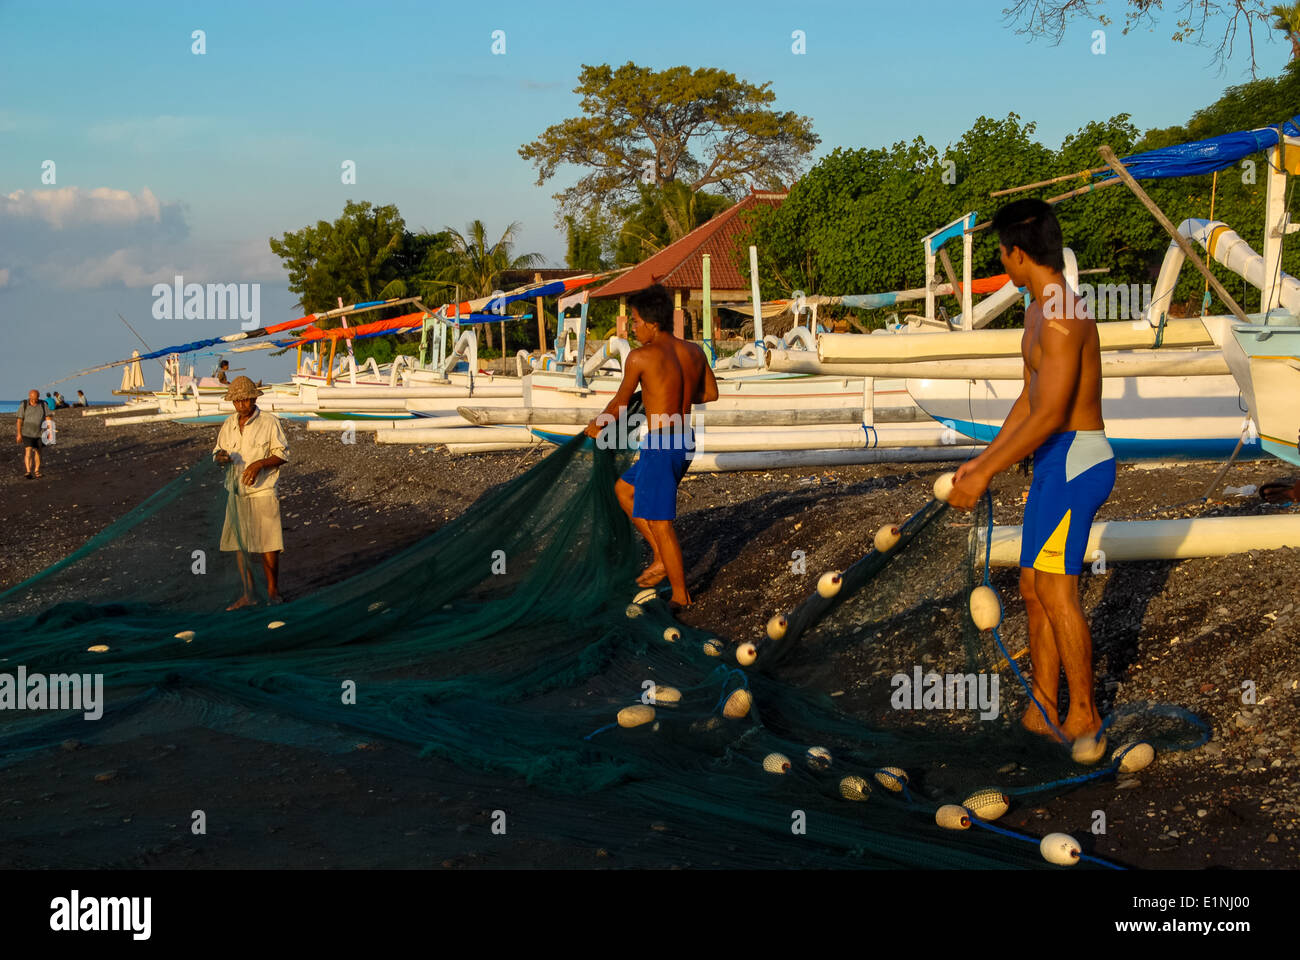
<point>252,446</point>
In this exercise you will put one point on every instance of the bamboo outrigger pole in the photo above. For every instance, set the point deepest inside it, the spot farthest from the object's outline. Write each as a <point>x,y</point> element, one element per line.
<point>1121,171</point>
<point>1045,183</point>
<point>1076,192</point>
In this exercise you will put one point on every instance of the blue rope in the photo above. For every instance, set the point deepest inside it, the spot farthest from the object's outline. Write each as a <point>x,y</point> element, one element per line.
<point>722,698</point>
<point>608,726</point>
<point>997,637</point>
<point>1036,842</point>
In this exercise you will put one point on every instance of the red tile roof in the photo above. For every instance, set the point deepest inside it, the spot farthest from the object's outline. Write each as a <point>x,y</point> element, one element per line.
<point>678,265</point>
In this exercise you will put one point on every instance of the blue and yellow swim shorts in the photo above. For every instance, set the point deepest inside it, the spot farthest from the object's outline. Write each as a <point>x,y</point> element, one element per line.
<point>1074,473</point>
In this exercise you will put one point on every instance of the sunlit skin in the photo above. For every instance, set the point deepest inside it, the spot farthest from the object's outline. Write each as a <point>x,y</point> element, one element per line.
<point>270,561</point>
<point>1062,393</point>
<point>672,374</point>
<point>31,456</point>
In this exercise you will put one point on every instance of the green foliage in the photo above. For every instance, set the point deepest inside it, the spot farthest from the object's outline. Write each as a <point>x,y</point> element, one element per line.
<point>363,255</point>
<point>854,223</point>
<point>475,266</point>
<point>645,229</point>
<point>587,243</point>
<point>702,127</point>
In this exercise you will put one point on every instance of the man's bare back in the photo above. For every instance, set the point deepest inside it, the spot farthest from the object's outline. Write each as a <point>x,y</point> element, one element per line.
<point>1068,315</point>
<point>672,378</point>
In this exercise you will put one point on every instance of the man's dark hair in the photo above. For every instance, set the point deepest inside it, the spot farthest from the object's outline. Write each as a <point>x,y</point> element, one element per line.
<point>655,304</point>
<point>224,363</point>
<point>1032,226</point>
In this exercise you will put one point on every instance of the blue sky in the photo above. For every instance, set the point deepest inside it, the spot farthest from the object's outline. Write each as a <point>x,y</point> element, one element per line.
<point>197,160</point>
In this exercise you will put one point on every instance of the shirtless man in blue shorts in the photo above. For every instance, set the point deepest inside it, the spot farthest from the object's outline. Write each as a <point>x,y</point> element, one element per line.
<point>1058,419</point>
<point>672,374</point>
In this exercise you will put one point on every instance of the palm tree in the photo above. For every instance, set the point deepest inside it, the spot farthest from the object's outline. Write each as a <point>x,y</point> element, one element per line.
<point>477,266</point>
<point>1286,18</point>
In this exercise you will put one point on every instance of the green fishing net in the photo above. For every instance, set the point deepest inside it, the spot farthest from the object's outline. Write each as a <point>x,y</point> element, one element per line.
<point>508,643</point>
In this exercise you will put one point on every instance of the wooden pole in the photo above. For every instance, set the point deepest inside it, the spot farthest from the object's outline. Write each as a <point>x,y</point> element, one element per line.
<point>1044,183</point>
<point>1205,297</point>
<point>329,377</point>
<point>710,350</point>
<point>541,321</point>
<point>1121,171</point>
<point>947,268</point>
<point>1079,191</point>
<point>753,293</point>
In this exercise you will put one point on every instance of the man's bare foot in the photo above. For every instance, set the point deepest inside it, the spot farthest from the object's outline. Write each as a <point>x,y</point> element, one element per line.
<point>274,600</point>
<point>652,575</point>
<point>1034,721</point>
<point>675,605</point>
<point>1279,492</point>
<point>242,602</point>
<point>1081,725</point>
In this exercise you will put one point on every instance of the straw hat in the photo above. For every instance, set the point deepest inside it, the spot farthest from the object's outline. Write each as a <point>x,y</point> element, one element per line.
<point>242,388</point>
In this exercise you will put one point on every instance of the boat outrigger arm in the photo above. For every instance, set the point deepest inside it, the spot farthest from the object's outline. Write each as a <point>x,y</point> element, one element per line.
<point>1263,354</point>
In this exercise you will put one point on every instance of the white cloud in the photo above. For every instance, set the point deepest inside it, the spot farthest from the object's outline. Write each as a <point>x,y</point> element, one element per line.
<point>78,238</point>
<point>124,267</point>
<point>72,206</point>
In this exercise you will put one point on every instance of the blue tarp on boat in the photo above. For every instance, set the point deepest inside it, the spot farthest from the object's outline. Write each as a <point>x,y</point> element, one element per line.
<point>1204,156</point>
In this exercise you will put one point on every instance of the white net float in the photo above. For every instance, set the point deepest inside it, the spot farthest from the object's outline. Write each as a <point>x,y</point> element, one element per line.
<point>952,817</point>
<point>776,763</point>
<point>830,583</point>
<point>636,715</point>
<point>819,758</point>
<point>1060,848</point>
<point>892,778</point>
<point>777,626</point>
<point>943,486</point>
<point>666,695</point>
<point>1133,757</point>
<point>987,804</point>
<point>737,704</point>
<point>886,538</point>
<point>854,788</point>
<point>985,607</point>
<point>1088,749</point>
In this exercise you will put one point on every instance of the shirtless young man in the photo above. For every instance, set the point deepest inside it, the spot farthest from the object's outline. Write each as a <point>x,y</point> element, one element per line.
<point>672,374</point>
<point>1058,419</point>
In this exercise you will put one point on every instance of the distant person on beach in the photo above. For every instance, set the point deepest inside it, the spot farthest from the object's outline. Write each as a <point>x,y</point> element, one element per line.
<point>32,414</point>
<point>252,447</point>
<point>81,400</point>
<point>59,402</point>
<point>672,374</point>
<point>1058,419</point>
<point>223,369</point>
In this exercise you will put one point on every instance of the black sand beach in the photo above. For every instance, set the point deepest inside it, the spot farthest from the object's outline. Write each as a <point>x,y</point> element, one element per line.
<point>1186,632</point>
